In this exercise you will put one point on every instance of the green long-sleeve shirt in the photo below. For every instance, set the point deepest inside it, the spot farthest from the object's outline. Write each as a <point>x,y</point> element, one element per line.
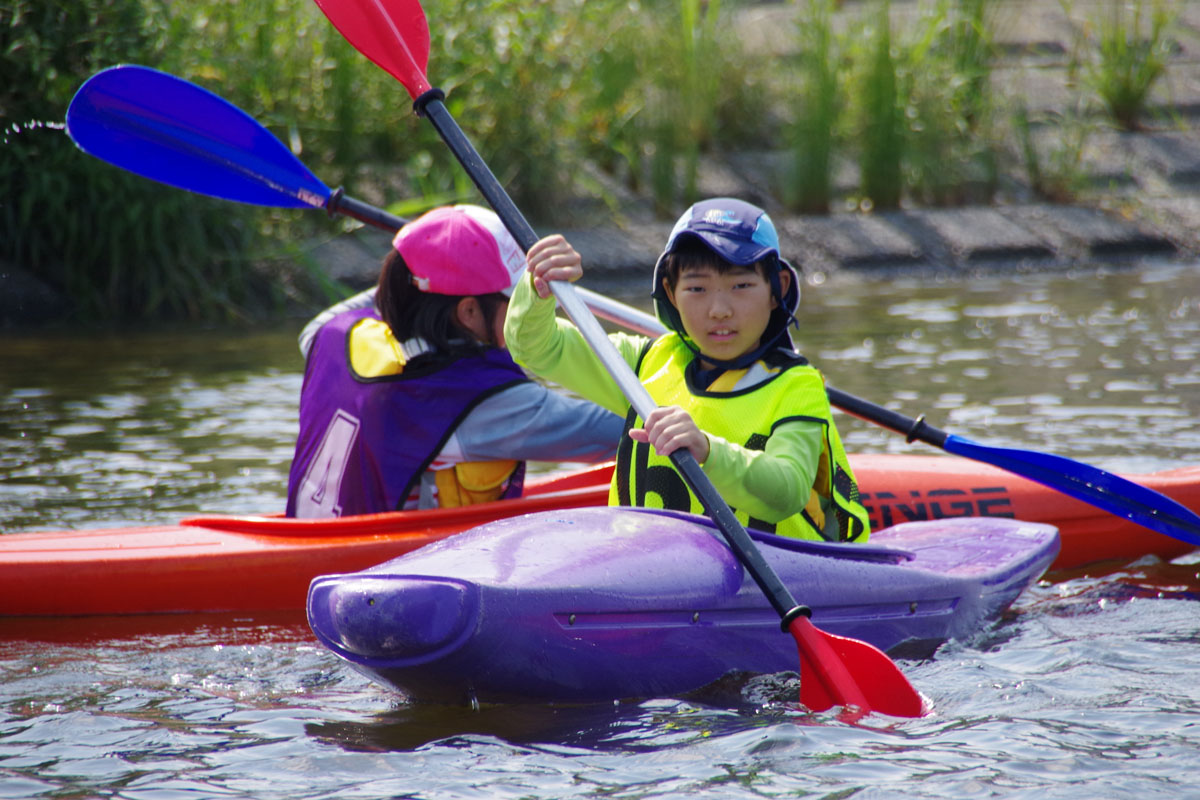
<point>770,484</point>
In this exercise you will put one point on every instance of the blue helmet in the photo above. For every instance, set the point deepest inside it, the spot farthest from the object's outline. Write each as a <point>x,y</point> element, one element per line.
<point>741,234</point>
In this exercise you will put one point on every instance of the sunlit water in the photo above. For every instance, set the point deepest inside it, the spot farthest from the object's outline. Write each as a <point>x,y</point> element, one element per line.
<point>1089,688</point>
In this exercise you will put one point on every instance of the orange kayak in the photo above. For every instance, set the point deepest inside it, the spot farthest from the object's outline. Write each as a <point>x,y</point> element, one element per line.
<point>900,488</point>
<point>238,563</point>
<point>261,563</point>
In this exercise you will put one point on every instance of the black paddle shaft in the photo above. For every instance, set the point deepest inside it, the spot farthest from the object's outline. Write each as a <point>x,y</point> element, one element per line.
<point>430,105</point>
<point>912,429</point>
<point>339,203</point>
<point>737,537</point>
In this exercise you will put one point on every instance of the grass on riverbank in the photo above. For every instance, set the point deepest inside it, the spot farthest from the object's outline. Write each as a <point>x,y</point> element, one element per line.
<point>565,99</point>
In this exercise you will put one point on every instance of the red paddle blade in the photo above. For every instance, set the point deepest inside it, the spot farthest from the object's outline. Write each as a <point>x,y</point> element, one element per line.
<point>836,671</point>
<point>392,33</point>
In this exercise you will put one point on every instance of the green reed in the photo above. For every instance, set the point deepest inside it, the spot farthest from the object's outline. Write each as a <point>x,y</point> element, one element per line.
<point>670,83</point>
<point>879,114</point>
<point>115,246</point>
<point>693,90</point>
<point>945,78</point>
<point>968,43</point>
<point>699,46</point>
<point>509,71</point>
<point>913,106</point>
<point>1127,56</point>
<point>118,246</point>
<point>1053,163</point>
<point>816,111</point>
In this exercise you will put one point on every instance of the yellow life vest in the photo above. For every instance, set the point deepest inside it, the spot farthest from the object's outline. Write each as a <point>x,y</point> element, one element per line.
<point>792,392</point>
<point>374,353</point>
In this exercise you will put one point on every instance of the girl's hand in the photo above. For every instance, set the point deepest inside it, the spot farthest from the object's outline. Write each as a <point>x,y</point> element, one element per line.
<point>553,259</point>
<point>669,428</point>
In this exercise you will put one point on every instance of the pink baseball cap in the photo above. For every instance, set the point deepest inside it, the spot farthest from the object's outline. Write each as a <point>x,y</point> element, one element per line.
<point>460,250</point>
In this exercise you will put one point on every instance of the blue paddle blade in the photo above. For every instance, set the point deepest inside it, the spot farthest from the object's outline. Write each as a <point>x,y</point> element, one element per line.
<point>1091,485</point>
<point>174,132</point>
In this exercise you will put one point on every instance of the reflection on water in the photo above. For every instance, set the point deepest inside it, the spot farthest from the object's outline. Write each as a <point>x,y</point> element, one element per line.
<point>141,428</point>
<point>1089,687</point>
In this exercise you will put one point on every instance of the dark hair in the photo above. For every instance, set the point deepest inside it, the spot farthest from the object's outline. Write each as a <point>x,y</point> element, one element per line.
<point>690,252</point>
<point>410,313</point>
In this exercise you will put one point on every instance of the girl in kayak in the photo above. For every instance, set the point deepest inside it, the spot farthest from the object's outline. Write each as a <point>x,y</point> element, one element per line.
<point>410,399</point>
<point>729,385</point>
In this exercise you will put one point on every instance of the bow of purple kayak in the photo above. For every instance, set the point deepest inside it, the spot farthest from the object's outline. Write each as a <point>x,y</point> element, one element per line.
<point>606,603</point>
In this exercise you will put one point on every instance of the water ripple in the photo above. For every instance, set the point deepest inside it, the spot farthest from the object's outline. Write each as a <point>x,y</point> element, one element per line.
<point>1089,687</point>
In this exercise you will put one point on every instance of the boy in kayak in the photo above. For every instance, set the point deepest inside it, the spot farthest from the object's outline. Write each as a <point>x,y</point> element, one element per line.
<point>729,385</point>
<point>410,399</point>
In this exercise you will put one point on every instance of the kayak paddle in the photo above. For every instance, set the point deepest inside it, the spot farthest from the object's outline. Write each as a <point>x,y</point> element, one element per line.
<point>834,670</point>
<point>163,128</point>
<point>1114,494</point>
<point>172,131</point>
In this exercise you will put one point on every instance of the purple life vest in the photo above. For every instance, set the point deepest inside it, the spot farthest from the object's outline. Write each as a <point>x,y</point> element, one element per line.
<point>365,441</point>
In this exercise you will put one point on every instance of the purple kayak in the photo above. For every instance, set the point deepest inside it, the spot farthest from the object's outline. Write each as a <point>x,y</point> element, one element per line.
<point>609,603</point>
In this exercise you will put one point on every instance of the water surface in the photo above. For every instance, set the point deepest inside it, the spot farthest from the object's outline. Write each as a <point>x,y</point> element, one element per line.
<point>1089,687</point>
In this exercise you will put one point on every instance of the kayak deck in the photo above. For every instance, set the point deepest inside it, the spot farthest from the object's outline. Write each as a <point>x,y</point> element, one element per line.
<point>598,604</point>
